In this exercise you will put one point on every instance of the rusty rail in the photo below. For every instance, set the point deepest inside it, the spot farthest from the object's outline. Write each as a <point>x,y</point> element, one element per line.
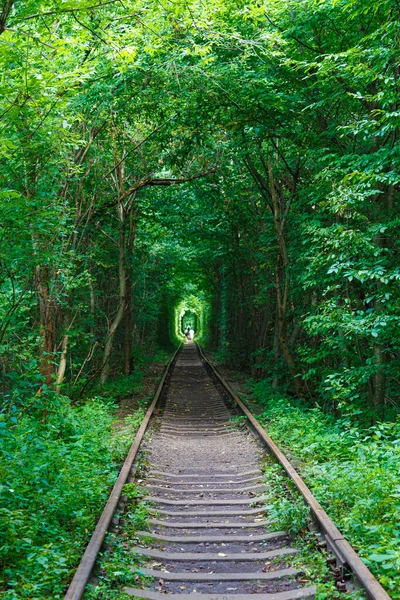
<point>346,557</point>
<point>85,567</point>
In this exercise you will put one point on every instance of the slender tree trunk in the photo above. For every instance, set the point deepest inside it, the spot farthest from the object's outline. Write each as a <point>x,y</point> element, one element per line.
<point>46,312</point>
<point>63,362</point>
<point>123,211</point>
<point>128,322</point>
<point>380,377</point>
<point>62,365</point>
<point>275,348</point>
<point>281,297</point>
<point>121,305</point>
<point>295,334</point>
<point>5,11</point>
<point>92,307</point>
<point>264,327</point>
<point>379,380</point>
<point>128,363</point>
<point>282,283</point>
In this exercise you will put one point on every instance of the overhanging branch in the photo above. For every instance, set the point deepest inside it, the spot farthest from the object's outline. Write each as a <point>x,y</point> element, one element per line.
<point>167,181</point>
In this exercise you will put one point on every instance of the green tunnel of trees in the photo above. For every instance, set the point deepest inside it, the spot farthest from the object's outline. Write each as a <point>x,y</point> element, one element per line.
<point>189,320</point>
<point>239,160</point>
<point>244,153</point>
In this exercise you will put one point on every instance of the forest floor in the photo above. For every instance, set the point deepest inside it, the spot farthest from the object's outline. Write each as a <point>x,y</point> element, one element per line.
<point>353,470</point>
<point>53,500</point>
<point>129,404</point>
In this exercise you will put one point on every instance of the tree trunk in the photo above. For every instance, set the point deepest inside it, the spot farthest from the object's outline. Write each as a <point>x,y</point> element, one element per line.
<point>379,379</point>
<point>275,348</point>
<point>281,302</point>
<point>380,376</point>
<point>282,283</point>
<point>92,307</point>
<point>4,14</point>
<point>123,210</point>
<point>46,312</point>
<point>128,362</point>
<point>63,362</point>
<point>128,324</point>
<point>122,297</point>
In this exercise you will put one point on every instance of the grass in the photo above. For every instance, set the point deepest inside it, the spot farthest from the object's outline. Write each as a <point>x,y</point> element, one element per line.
<point>354,473</point>
<point>55,476</point>
<point>286,511</point>
<point>117,566</point>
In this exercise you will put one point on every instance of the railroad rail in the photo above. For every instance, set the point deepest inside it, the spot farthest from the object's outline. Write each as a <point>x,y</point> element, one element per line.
<point>207,487</point>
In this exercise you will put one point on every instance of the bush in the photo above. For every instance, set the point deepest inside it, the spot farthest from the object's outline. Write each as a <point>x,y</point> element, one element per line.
<point>354,472</point>
<point>54,479</point>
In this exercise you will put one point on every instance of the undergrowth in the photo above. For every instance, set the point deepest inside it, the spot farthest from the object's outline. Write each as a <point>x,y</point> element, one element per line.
<point>287,511</point>
<point>117,566</point>
<point>354,473</point>
<point>56,471</point>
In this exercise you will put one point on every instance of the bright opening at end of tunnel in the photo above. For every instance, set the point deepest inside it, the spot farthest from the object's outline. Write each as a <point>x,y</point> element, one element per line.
<point>191,318</point>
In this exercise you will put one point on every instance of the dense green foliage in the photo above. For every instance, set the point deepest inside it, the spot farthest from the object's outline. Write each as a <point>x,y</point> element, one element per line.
<point>353,472</point>
<point>50,503</point>
<point>248,151</point>
<point>239,157</point>
<point>54,479</point>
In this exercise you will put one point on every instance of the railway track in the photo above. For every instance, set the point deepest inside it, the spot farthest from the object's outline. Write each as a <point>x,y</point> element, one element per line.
<point>208,531</point>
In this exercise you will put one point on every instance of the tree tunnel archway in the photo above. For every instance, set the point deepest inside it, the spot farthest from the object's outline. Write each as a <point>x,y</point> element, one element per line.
<point>193,312</point>
<point>189,319</point>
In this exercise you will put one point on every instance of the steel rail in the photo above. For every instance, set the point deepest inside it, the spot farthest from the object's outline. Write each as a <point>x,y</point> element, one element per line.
<point>346,556</point>
<point>77,586</point>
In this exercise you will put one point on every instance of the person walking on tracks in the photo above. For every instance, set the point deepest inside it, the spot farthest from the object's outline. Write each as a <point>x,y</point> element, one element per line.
<point>191,334</point>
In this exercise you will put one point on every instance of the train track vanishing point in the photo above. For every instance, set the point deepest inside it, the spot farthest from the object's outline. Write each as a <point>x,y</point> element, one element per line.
<point>207,487</point>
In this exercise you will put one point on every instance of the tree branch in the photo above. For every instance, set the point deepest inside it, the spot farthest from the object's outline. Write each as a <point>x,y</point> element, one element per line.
<point>66,10</point>
<point>5,11</point>
<point>165,182</point>
<point>291,35</point>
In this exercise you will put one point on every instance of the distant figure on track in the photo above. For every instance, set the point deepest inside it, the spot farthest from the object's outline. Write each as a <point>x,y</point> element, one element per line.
<point>191,334</point>
<point>187,332</point>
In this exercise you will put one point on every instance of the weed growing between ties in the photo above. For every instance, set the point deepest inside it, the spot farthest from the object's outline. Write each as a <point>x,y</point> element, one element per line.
<point>117,566</point>
<point>56,473</point>
<point>287,511</point>
<point>316,571</point>
<point>353,472</point>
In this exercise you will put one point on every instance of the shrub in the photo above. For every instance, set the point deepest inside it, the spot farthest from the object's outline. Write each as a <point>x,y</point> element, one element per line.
<point>353,471</point>
<point>54,479</point>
